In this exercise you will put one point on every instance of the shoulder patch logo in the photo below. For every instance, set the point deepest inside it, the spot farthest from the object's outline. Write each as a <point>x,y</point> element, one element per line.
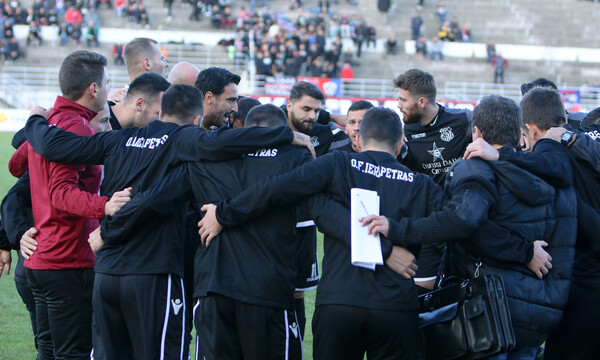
<point>446,134</point>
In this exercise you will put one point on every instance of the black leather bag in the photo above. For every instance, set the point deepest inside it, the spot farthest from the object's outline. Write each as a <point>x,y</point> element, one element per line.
<point>466,319</point>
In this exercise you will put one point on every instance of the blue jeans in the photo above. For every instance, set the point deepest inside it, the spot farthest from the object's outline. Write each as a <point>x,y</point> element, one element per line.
<point>253,4</point>
<point>525,353</point>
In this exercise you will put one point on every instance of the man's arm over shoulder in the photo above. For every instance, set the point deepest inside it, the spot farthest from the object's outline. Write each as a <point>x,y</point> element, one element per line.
<point>473,192</point>
<point>56,144</point>
<point>194,143</point>
<point>548,160</point>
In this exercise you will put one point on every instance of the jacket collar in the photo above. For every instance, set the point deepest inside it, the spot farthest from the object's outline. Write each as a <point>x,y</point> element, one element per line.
<point>62,104</point>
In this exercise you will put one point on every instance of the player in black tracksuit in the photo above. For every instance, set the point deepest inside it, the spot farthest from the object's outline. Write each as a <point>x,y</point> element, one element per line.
<point>244,282</point>
<point>151,260</point>
<point>435,137</point>
<point>304,114</point>
<point>357,309</point>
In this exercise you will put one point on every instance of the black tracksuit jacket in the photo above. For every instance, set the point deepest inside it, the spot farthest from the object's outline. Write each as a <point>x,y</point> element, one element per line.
<point>140,158</point>
<point>402,192</point>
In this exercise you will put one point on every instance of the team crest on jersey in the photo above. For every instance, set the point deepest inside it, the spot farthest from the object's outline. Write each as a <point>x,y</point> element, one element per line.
<point>446,134</point>
<point>314,141</point>
<point>436,152</point>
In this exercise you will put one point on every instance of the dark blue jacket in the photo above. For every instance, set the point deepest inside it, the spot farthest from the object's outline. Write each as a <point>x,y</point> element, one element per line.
<point>531,209</point>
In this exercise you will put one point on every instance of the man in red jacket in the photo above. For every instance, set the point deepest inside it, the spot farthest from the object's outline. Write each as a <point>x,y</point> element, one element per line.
<point>66,208</point>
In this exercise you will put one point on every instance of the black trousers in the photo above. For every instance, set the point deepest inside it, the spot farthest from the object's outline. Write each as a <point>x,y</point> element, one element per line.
<point>63,308</point>
<point>139,314</point>
<point>348,332</point>
<point>578,335</point>
<point>27,296</point>
<point>230,329</point>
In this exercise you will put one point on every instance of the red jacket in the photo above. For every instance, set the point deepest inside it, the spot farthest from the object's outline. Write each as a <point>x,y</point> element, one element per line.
<point>64,197</point>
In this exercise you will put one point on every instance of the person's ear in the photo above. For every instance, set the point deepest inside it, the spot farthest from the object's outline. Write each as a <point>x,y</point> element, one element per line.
<point>477,133</point>
<point>140,104</point>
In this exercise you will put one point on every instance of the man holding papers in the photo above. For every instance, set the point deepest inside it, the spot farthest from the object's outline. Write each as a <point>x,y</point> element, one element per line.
<point>358,309</point>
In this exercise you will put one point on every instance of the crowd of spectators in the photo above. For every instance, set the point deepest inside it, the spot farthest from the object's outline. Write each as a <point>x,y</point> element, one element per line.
<point>311,45</point>
<point>77,21</point>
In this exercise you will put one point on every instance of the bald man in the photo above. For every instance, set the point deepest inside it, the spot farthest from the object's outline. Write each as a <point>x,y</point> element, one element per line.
<point>183,73</point>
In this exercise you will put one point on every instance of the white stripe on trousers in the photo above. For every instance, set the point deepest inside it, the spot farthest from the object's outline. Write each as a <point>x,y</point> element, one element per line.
<point>194,316</point>
<point>287,335</point>
<point>166,322</point>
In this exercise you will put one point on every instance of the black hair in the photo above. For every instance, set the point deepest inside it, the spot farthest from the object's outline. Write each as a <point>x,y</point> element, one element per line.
<point>539,82</point>
<point>183,102</point>
<point>267,115</point>
<point>244,105</point>
<point>78,70</point>
<point>381,125</point>
<point>360,105</point>
<point>305,88</point>
<point>499,119</point>
<point>543,107</point>
<point>418,83</point>
<point>149,84</point>
<point>215,79</point>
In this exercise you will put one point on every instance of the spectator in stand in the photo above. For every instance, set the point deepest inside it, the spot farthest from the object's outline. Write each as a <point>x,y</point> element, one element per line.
<point>34,33</point>
<point>13,50</point>
<point>216,17</point>
<point>91,34</point>
<point>64,32</point>
<point>465,33</point>
<point>454,29</point>
<point>73,16</point>
<point>141,15</point>
<point>371,35</point>
<point>384,6</point>
<point>437,48</point>
<point>500,65</point>
<point>120,5</point>
<point>76,35</point>
<point>347,73</point>
<point>491,51</point>
<point>421,47</point>
<point>117,52</point>
<point>360,34</point>
<point>253,5</point>
<point>415,25</point>
<point>8,29</point>
<point>391,45</point>
<point>226,20</point>
<point>441,12</point>
<point>445,34</point>
<point>92,15</point>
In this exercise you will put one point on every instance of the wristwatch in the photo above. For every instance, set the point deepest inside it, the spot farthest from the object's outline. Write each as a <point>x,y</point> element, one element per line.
<point>567,138</point>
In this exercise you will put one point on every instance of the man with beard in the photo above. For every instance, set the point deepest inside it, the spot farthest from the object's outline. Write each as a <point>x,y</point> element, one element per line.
<point>355,114</point>
<point>303,111</point>
<point>219,87</point>
<point>435,137</point>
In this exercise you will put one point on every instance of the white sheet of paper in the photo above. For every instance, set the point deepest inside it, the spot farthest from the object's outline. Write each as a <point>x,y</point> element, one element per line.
<point>365,248</point>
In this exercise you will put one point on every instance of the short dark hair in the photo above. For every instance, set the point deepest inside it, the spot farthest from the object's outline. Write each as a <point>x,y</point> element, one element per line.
<point>215,79</point>
<point>381,125</point>
<point>78,70</point>
<point>543,107</point>
<point>593,117</point>
<point>539,82</point>
<point>244,105</point>
<point>267,115</point>
<point>149,84</point>
<point>499,119</point>
<point>136,50</point>
<point>305,88</point>
<point>360,105</point>
<point>418,83</point>
<point>183,102</point>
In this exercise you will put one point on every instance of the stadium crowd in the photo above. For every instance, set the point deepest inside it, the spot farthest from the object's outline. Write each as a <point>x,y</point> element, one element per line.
<point>205,208</point>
